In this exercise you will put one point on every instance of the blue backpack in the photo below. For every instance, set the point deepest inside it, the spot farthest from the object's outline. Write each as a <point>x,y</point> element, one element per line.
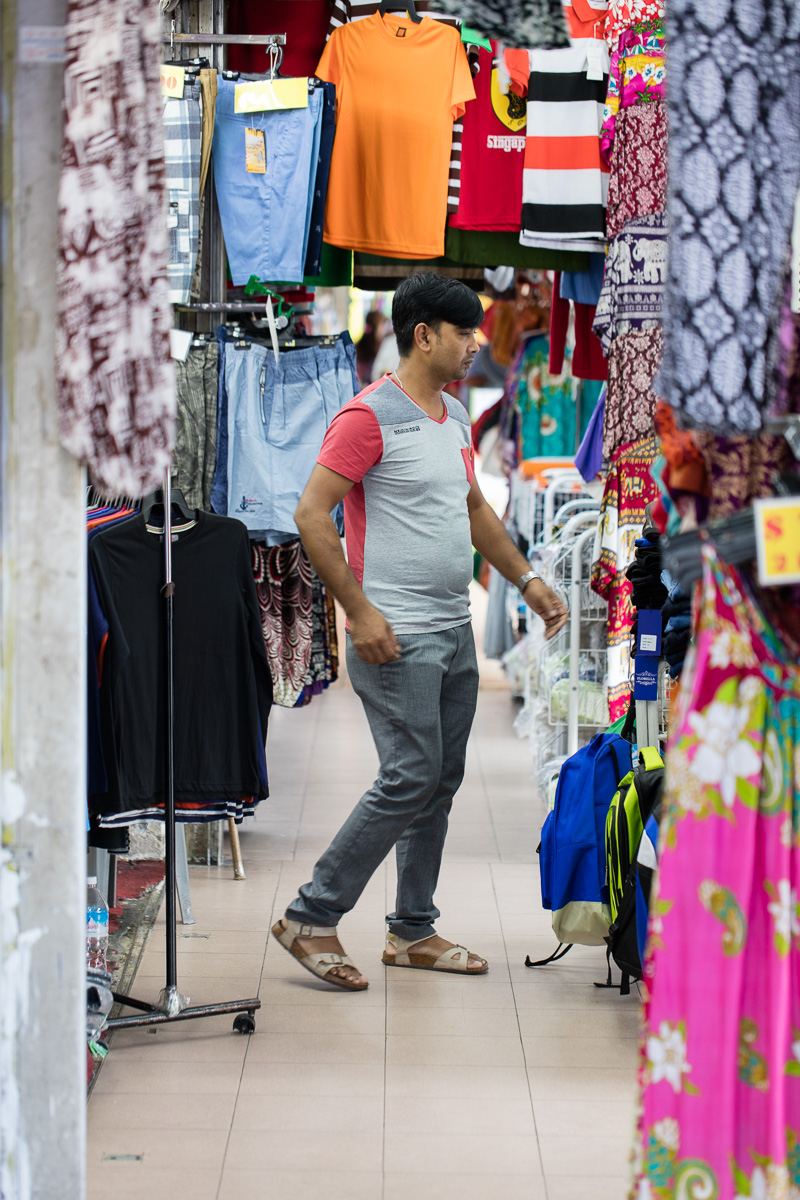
<point>573,858</point>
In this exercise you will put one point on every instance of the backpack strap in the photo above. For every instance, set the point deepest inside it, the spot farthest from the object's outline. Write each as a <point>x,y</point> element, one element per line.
<point>558,953</point>
<point>651,758</point>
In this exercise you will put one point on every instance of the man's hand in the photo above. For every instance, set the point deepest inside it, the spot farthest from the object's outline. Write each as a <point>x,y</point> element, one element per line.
<point>546,604</point>
<point>373,637</point>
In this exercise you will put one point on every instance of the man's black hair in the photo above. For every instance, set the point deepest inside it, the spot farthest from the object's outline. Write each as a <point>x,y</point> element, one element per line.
<point>429,299</point>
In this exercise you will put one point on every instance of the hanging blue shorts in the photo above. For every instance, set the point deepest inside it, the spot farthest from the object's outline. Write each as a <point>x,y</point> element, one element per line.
<point>266,218</point>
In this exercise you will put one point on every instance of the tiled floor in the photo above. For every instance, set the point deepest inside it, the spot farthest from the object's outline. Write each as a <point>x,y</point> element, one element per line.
<point>517,1085</point>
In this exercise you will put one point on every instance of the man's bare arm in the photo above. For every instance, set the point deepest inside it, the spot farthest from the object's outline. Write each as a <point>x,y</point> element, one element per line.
<point>371,634</point>
<point>490,538</point>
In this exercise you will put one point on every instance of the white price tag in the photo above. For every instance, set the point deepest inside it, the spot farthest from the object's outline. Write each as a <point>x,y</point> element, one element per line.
<point>180,343</point>
<point>596,60</point>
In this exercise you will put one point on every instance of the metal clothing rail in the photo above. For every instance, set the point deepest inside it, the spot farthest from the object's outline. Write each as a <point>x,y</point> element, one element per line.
<point>171,1005</point>
<point>226,39</point>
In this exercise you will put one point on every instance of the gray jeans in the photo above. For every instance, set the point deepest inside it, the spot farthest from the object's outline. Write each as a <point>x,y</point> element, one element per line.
<point>420,710</point>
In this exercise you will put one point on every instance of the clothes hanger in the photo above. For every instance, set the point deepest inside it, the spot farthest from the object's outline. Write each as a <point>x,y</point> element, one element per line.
<point>156,500</point>
<point>409,6</point>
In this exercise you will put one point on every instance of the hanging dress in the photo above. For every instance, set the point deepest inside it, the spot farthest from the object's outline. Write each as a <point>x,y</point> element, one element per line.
<point>720,1051</point>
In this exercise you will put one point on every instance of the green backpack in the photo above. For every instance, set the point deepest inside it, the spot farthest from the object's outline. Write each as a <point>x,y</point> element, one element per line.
<point>632,804</point>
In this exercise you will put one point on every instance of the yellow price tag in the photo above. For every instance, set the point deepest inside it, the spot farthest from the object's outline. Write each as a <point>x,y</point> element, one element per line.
<point>268,95</point>
<point>255,151</point>
<point>173,80</point>
<point>778,540</point>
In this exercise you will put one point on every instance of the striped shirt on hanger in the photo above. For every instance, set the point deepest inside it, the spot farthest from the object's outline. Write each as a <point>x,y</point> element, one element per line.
<point>344,11</point>
<point>565,179</point>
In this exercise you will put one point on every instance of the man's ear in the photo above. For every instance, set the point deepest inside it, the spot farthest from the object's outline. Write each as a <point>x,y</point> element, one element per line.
<point>422,337</point>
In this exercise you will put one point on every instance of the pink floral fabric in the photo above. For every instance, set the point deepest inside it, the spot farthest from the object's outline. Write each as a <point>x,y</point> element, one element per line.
<point>637,185</point>
<point>622,14</point>
<point>637,76</point>
<point>720,1049</point>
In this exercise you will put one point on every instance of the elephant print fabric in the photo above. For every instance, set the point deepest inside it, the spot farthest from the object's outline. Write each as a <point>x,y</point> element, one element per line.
<point>633,281</point>
<point>720,1047</point>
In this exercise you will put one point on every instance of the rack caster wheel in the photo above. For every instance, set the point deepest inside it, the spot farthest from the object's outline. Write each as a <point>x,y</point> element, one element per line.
<point>244,1023</point>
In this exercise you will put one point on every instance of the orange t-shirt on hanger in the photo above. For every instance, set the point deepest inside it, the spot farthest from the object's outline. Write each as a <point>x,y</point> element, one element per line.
<point>399,88</point>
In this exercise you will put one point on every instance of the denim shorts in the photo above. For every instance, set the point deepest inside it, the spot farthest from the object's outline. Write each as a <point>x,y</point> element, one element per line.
<point>266,218</point>
<point>277,417</point>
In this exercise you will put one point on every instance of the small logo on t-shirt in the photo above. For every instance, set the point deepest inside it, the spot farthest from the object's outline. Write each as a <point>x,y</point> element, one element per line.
<point>408,429</point>
<point>400,32</point>
<point>247,505</point>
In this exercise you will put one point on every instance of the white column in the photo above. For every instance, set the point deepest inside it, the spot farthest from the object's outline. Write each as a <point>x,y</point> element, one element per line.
<point>42,656</point>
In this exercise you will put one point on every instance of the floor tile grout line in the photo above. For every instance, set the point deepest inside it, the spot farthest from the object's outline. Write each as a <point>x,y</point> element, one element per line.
<point>488,801</point>
<point>248,1036</point>
<point>522,1043</point>
<point>309,763</point>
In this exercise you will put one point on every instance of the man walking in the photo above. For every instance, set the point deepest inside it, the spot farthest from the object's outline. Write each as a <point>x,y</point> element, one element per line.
<point>400,457</point>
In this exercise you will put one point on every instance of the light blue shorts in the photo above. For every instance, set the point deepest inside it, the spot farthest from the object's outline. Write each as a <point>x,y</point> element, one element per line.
<point>266,218</point>
<point>277,417</point>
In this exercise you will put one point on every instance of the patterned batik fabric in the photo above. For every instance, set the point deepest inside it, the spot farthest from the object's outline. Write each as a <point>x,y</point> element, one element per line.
<point>623,14</point>
<point>630,401</point>
<point>633,280</point>
<point>637,76</point>
<point>629,489</point>
<point>742,469</point>
<point>283,585</point>
<point>183,143</point>
<point>734,176</point>
<point>637,185</point>
<point>116,384</point>
<point>529,23</point>
<point>546,403</point>
<point>720,1048</point>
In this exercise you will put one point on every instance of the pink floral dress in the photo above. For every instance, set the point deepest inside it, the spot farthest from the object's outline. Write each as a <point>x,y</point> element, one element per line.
<point>720,1051</point>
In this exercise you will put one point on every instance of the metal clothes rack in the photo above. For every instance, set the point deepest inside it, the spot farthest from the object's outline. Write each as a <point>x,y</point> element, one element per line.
<point>171,1005</point>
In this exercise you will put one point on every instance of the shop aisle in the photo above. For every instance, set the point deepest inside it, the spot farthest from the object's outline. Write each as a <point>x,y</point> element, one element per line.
<point>517,1084</point>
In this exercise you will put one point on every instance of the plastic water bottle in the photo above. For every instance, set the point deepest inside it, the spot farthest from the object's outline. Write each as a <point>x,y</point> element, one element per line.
<point>96,926</point>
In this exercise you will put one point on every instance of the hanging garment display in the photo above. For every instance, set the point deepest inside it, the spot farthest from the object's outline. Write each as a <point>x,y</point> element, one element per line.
<point>515,22</point>
<point>637,76</point>
<point>492,153</point>
<point>183,141</point>
<point>742,469</point>
<point>539,411</point>
<point>196,427</point>
<point>622,14</point>
<point>222,682</point>
<point>372,62</point>
<point>720,1100</point>
<point>735,171</point>
<point>632,368</point>
<point>277,415</point>
<point>116,385</point>
<point>584,287</point>
<point>283,585</point>
<point>264,182</point>
<point>342,12</point>
<point>633,281</point>
<point>488,248</point>
<point>565,177</point>
<point>629,489</point>
<point>313,264</point>
<point>637,185</point>
<point>587,359</point>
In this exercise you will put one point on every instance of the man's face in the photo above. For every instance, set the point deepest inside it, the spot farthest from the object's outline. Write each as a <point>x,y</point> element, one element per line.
<point>453,350</point>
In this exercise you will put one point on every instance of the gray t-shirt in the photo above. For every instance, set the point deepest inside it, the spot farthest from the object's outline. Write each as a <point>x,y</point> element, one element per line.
<point>407,526</point>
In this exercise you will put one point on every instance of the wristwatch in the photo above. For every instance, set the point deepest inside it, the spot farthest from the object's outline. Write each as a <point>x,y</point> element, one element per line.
<point>525,579</point>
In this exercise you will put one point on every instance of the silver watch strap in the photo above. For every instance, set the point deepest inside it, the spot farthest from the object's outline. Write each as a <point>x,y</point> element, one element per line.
<point>525,579</point>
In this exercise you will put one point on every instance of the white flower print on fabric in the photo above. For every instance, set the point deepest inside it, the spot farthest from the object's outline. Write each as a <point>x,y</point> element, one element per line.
<point>784,913</point>
<point>772,1182</point>
<point>668,1133</point>
<point>732,646</point>
<point>666,1056</point>
<point>724,757</point>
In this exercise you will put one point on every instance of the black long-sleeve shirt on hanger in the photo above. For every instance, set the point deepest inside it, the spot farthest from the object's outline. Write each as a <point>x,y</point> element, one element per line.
<point>222,683</point>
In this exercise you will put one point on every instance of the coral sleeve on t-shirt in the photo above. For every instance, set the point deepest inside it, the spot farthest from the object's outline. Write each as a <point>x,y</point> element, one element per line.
<point>353,443</point>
